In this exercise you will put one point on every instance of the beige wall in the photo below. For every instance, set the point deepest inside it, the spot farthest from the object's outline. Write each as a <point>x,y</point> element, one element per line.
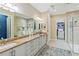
<point>53,27</point>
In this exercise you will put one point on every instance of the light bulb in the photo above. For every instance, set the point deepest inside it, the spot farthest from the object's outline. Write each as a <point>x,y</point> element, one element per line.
<point>8,5</point>
<point>11,10</point>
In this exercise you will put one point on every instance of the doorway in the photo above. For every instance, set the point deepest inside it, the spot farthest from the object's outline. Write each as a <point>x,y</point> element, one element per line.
<point>61,30</point>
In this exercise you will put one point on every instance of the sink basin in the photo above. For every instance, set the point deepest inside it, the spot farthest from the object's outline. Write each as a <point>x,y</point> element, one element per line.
<point>7,45</point>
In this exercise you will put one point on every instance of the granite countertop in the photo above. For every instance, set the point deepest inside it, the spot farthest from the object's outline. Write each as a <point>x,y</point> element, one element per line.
<point>18,42</point>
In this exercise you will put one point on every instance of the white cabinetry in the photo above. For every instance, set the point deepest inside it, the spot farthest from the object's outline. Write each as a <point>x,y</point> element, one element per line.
<point>27,49</point>
<point>20,50</point>
<point>7,53</point>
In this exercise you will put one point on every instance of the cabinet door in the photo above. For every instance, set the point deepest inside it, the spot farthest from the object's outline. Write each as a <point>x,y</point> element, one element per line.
<point>19,51</point>
<point>43,42</point>
<point>39,42</point>
<point>43,39</point>
<point>31,47</point>
<point>28,48</point>
<point>7,53</point>
<point>36,45</point>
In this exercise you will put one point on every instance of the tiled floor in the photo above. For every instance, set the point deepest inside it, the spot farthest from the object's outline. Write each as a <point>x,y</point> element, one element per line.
<point>55,52</point>
<point>54,49</point>
<point>67,46</point>
<point>62,44</point>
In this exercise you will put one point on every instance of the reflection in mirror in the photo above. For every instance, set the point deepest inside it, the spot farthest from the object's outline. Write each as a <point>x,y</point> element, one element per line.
<point>31,25</point>
<point>20,26</point>
<point>23,26</point>
<point>34,25</point>
<point>3,26</point>
<point>39,26</point>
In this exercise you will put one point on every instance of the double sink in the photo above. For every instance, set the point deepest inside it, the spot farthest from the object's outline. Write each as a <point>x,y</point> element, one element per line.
<point>4,45</point>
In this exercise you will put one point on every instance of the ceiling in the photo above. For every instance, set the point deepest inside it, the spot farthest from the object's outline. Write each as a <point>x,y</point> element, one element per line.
<point>56,8</point>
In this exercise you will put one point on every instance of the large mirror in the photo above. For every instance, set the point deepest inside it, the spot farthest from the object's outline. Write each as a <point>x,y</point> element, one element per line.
<point>5,24</point>
<point>16,25</point>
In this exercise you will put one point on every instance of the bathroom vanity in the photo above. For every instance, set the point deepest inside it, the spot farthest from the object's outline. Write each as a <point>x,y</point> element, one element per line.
<point>24,46</point>
<point>23,35</point>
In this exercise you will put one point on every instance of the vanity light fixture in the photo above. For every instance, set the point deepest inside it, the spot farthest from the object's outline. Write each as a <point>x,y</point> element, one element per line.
<point>11,10</point>
<point>4,6</point>
<point>37,18</point>
<point>15,8</point>
<point>8,6</point>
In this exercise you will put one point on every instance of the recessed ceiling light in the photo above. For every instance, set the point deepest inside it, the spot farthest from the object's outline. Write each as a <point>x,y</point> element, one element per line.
<point>53,8</point>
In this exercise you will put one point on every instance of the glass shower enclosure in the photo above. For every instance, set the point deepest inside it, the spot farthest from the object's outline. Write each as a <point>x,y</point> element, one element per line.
<point>73,34</point>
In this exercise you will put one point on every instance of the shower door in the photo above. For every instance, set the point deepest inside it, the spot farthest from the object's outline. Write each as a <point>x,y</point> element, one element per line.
<point>69,31</point>
<point>75,39</point>
<point>73,33</point>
